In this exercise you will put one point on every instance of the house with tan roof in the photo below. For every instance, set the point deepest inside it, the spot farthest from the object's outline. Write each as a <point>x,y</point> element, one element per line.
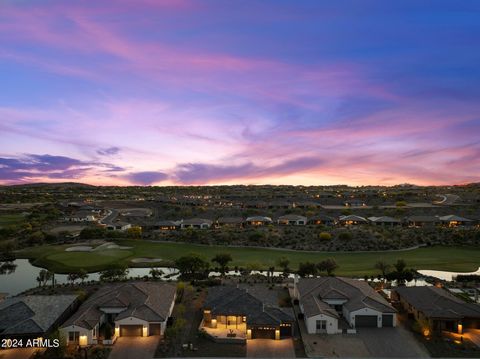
<point>132,309</point>
<point>453,220</point>
<point>292,220</point>
<point>333,305</point>
<point>196,223</point>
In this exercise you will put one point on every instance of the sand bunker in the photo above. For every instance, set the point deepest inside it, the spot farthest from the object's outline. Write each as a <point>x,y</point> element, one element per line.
<point>79,249</point>
<point>102,247</point>
<point>109,245</point>
<point>146,260</point>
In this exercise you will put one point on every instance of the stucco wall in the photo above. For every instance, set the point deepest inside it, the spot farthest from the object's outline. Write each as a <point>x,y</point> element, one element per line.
<point>311,324</point>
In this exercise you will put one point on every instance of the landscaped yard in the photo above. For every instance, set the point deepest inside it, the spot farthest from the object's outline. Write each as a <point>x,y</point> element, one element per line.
<point>54,257</point>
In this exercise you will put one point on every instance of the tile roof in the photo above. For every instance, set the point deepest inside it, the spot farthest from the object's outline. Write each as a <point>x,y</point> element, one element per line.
<point>438,303</point>
<point>358,294</point>
<point>32,314</point>
<point>143,300</point>
<point>230,300</point>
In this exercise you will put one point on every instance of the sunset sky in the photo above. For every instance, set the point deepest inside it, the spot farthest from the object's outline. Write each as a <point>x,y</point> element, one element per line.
<point>240,92</point>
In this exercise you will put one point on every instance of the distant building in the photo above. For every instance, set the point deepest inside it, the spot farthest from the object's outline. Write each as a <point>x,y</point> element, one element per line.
<point>292,220</point>
<point>322,220</point>
<point>454,221</point>
<point>258,221</point>
<point>384,221</point>
<point>196,223</point>
<point>81,216</point>
<point>166,225</point>
<point>118,226</point>
<point>422,221</point>
<point>351,220</point>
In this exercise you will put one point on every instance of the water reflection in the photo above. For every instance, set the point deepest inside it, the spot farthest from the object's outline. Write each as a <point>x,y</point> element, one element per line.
<point>20,275</point>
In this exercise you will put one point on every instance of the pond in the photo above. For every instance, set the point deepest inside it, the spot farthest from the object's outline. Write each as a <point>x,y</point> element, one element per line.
<point>25,274</point>
<point>448,276</point>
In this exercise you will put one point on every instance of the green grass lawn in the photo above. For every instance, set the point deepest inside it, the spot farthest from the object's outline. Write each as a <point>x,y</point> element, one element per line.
<point>461,259</point>
<point>11,219</point>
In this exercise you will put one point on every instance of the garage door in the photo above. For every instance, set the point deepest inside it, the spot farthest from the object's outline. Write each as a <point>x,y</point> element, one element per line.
<point>365,321</point>
<point>154,329</point>
<point>263,333</point>
<point>131,330</point>
<point>387,320</point>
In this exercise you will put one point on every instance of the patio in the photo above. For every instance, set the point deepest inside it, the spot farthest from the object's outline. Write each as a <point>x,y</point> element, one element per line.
<point>223,332</point>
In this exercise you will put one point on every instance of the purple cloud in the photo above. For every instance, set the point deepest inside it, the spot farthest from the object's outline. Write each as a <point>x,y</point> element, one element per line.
<point>193,173</point>
<point>32,167</point>
<point>146,177</point>
<point>109,151</point>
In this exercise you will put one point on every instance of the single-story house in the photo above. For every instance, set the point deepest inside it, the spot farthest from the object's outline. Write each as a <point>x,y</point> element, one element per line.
<point>352,220</point>
<point>81,216</point>
<point>384,221</point>
<point>453,220</point>
<point>422,221</point>
<point>132,309</point>
<point>166,225</point>
<point>292,220</point>
<point>258,221</point>
<point>326,302</point>
<point>118,226</point>
<point>441,309</point>
<point>34,316</point>
<point>229,307</point>
<point>322,219</point>
<point>237,222</point>
<point>197,223</point>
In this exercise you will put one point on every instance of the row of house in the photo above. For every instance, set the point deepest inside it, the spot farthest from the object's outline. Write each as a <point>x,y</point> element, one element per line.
<point>326,305</point>
<point>297,220</point>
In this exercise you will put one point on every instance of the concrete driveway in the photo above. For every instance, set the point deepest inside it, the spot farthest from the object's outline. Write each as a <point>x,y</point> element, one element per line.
<point>473,335</point>
<point>134,347</point>
<point>268,348</point>
<point>391,343</point>
<point>17,353</point>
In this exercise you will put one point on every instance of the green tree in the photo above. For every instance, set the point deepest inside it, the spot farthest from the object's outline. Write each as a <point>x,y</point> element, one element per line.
<point>43,277</point>
<point>383,267</point>
<point>306,269</point>
<point>156,273</point>
<point>82,275</point>
<point>192,266</point>
<point>283,263</point>
<point>222,259</point>
<point>114,273</point>
<point>328,265</point>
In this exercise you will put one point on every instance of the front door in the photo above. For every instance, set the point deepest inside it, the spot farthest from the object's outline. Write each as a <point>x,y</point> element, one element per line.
<point>321,326</point>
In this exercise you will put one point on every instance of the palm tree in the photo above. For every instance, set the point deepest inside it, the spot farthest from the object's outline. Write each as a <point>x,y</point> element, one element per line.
<point>82,275</point>
<point>383,267</point>
<point>156,273</point>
